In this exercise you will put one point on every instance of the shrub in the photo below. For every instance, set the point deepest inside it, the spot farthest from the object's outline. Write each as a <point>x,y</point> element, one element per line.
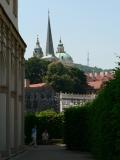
<point>105,120</point>
<point>49,120</point>
<point>30,122</point>
<point>76,128</point>
<point>96,126</point>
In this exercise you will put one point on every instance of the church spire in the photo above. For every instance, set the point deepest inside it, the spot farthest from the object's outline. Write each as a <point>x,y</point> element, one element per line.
<point>49,42</point>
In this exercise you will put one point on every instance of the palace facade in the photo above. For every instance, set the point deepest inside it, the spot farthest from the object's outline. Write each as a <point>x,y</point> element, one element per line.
<point>12,48</point>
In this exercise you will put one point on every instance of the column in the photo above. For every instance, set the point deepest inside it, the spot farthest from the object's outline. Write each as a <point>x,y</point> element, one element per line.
<point>16,98</point>
<point>8,76</point>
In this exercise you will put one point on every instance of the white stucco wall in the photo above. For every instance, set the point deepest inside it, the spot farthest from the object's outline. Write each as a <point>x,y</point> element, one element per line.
<point>9,10</point>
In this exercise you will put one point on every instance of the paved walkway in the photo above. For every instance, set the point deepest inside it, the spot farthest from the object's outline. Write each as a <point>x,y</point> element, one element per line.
<point>51,152</point>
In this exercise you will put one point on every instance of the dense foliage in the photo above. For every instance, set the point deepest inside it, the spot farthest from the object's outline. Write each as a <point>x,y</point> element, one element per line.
<point>76,128</point>
<point>60,77</point>
<point>35,69</point>
<point>105,122</point>
<point>30,122</point>
<point>49,120</point>
<point>102,123</point>
<point>65,79</point>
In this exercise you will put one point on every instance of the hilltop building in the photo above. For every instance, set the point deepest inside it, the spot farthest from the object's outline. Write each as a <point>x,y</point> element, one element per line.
<point>41,96</point>
<point>63,57</point>
<point>98,80</point>
<point>38,50</point>
<point>12,48</point>
<point>50,55</point>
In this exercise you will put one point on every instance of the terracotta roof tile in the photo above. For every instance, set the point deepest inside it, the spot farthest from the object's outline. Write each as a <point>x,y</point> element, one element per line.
<point>38,85</point>
<point>96,84</point>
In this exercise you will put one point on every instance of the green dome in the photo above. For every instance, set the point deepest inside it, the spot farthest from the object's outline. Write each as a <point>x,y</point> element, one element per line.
<point>65,58</point>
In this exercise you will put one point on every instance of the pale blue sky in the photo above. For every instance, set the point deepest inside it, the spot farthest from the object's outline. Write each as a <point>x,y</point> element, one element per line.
<point>84,25</point>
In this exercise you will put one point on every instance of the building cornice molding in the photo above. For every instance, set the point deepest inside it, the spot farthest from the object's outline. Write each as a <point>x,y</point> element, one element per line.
<point>11,26</point>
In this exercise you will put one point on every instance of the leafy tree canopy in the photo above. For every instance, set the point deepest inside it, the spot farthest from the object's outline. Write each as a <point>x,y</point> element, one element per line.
<point>35,69</point>
<point>60,77</point>
<point>65,79</point>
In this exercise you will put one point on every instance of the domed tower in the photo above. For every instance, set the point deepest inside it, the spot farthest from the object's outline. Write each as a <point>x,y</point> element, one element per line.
<point>38,50</point>
<point>60,48</point>
<point>63,57</point>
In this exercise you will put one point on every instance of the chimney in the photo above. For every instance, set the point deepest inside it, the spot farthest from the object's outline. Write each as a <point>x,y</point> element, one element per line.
<point>95,74</point>
<point>26,83</point>
<point>102,74</point>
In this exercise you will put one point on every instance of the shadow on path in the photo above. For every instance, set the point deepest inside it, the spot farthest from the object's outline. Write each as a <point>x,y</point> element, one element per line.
<point>52,152</point>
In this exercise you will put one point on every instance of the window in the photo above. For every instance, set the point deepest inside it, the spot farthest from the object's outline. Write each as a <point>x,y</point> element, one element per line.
<point>15,7</point>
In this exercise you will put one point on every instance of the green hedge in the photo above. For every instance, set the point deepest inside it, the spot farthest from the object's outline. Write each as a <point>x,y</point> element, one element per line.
<point>76,128</point>
<point>49,120</point>
<point>30,122</point>
<point>105,123</point>
<point>96,126</point>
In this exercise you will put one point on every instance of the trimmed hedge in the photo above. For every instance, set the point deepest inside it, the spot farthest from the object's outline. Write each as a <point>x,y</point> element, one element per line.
<point>49,120</point>
<point>96,126</point>
<point>76,128</point>
<point>105,123</point>
<point>30,122</point>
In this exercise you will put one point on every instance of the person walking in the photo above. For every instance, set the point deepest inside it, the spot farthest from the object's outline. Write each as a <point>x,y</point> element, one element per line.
<point>34,136</point>
<point>45,137</point>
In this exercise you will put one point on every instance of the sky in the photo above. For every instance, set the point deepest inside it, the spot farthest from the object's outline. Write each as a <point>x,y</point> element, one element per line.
<point>84,26</point>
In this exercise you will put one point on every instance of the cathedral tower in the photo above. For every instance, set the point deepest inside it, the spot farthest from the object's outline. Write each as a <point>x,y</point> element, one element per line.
<point>60,48</point>
<point>49,42</point>
<point>38,50</point>
<point>63,57</point>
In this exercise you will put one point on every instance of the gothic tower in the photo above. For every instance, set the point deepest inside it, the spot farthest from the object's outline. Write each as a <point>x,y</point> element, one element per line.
<point>49,42</point>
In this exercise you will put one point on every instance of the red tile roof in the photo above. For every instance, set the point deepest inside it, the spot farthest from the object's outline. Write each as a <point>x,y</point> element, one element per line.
<point>38,85</point>
<point>96,84</point>
<point>97,80</point>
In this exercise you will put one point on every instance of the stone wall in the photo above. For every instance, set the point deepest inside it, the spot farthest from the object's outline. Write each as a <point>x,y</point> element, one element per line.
<point>11,9</point>
<point>69,100</point>
<point>12,49</point>
<point>40,99</point>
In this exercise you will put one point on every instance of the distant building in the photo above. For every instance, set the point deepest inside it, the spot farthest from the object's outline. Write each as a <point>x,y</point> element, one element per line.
<point>12,48</point>
<point>50,55</point>
<point>62,56</point>
<point>70,100</point>
<point>40,97</point>
<point>38,50</point>
<point>98,80</point>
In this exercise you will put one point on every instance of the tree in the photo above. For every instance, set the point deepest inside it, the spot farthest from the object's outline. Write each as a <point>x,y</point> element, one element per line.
<point>65,79</point>
<point>35,69</point>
